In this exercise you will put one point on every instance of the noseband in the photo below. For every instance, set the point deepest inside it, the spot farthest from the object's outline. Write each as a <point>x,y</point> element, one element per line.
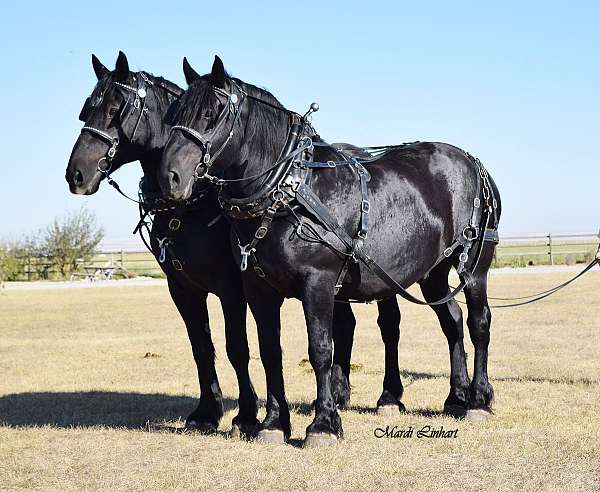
<point>205,141</point>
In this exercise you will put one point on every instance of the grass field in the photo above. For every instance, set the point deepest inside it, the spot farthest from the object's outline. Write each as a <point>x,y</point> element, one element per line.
<point>77,391</point>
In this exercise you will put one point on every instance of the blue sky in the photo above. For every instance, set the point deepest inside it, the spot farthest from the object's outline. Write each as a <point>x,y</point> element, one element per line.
<point>516,84</point>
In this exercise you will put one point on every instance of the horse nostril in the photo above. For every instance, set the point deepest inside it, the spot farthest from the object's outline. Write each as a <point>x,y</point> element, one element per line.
<point>174,178</point>
<point>77,178</point>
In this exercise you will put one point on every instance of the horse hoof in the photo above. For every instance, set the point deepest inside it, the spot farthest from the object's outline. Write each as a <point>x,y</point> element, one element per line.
<point>203,427</point>
<point>477,415</point>
<point>388,410</point>
<point>236,432</point>
<point>455,411</point>
<point>241,431</point>
<point>271,436</point>
<point>320,440</point>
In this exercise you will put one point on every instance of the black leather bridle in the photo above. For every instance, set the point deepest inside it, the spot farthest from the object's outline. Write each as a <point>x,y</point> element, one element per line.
<point>232,107</point>
<point>135,98</point>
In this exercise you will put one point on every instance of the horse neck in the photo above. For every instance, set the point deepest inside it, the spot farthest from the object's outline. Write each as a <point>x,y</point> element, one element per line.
<point>157,130</point>
<point>150,152</point>
<point>150,162</point>
<point>256,155</point>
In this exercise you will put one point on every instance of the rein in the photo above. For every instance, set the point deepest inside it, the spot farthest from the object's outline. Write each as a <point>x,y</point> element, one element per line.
<point>531,298</point>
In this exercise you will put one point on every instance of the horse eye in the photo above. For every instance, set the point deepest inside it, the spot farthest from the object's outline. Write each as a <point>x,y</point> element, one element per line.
<point>112,111</point>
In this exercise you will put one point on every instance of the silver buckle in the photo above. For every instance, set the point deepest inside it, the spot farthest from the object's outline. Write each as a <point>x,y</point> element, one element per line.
<point>261,232</point>
<point>365,206</point>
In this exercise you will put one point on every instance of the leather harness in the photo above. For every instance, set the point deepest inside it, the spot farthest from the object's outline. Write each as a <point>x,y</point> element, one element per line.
<point>288,185</point>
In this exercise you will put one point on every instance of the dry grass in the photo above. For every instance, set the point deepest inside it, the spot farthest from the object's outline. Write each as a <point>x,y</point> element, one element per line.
<point>76,390</point>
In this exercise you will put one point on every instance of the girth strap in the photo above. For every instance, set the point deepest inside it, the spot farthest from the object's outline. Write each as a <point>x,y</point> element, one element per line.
<point>361,235</point>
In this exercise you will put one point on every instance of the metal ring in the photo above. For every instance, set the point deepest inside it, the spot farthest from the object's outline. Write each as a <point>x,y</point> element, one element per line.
<point>278,195</point>
<point>200,166</point>
<point>99,168</point>
<point>307,141</point>
<point>471,230</point>
<point>174,224</point>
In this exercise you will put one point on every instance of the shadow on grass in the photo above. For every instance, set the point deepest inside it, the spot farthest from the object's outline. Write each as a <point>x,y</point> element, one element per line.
<point>96,408</point>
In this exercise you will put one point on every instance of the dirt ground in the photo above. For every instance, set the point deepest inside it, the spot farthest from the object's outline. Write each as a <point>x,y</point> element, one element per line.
<point>94,384</point>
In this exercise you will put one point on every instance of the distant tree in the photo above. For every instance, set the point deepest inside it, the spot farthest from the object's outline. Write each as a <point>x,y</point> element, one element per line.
<point>72,237</point>
<point>11,262</point>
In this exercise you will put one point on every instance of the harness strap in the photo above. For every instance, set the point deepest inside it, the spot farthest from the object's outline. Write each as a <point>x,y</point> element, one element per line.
<point>312,203</point>
<point>365,205</point>
<point>249,250</point>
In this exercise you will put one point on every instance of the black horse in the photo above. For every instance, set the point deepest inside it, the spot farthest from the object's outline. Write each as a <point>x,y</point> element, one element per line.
<point>427,207</point>
<point>192,241</point>
<point>200,245</point>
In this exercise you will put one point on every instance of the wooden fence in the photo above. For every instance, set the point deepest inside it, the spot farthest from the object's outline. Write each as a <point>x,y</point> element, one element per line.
<point>546,249</point>
<point>517,251</point>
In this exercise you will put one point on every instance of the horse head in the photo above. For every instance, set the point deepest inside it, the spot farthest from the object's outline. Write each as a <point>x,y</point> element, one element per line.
<point>123,121</point>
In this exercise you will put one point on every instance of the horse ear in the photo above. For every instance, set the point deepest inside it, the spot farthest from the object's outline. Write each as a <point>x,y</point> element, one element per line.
<point>218,73</point>
<point>100,70</point>
<point>121,67</point>
<point>190,74</point>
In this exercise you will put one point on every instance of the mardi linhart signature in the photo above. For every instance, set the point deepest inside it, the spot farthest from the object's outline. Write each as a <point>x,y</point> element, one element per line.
<point>425,432</point>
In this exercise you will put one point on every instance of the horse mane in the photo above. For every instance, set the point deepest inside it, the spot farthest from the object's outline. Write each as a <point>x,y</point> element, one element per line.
<point>266,128</point>
<point>167,84</point>
<point>163,97</point>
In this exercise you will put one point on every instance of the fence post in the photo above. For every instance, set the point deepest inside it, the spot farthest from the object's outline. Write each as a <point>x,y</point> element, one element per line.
<point>550,248</point>
<point>122,259</point>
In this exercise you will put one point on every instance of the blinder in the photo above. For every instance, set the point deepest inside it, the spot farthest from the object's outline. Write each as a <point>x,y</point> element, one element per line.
<point>86,110</point>
<point>90,104</point>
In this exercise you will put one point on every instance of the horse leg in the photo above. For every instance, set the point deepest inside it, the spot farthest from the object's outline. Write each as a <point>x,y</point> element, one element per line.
<point>450,317</point>
<point>265,304</point>
<point>326,427</point>
<point>478,321</point>
<point>193,310</point>
<point>343,338</point>
<point>234,305</point>
<point>389,403</point>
